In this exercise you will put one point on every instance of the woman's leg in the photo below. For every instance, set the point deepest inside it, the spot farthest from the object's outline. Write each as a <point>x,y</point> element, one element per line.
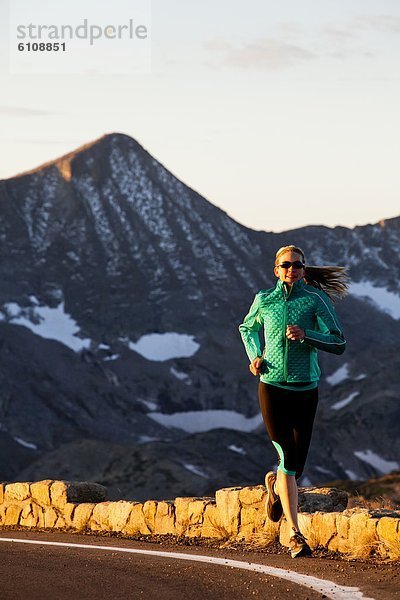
<point>286,488</point>
<point>276,411</point>
<point>303,413</point>
<point>303,421</point>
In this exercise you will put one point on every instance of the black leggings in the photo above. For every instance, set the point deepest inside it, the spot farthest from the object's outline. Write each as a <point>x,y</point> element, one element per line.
<point>289,416</point>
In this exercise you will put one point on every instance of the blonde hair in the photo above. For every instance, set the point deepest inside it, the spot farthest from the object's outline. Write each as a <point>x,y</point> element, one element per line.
<point>332,280</point>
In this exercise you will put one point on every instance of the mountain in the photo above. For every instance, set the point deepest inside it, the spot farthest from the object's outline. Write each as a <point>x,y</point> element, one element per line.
<point>121,292</point>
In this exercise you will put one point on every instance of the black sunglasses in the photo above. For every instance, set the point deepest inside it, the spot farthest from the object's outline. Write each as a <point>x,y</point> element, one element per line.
<point>297,264</point>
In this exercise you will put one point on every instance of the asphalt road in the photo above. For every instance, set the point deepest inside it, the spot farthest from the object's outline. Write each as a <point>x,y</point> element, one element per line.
<point>41,571</point>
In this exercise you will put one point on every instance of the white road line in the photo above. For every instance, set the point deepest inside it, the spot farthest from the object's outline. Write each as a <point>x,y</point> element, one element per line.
<point>323,586</point>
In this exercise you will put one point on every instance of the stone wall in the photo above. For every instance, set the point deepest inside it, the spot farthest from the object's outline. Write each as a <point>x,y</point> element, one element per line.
<point>234,514</point>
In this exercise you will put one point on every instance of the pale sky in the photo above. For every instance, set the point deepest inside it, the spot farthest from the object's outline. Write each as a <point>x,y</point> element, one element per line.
<point>283,114</point>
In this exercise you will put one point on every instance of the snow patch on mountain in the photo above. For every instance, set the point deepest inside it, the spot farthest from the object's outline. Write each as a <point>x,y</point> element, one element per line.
<point>351,475</point>
<point>24,443</point>
<point>381,297</point>
<point>198,421</point>
<point>341,374</point>
<point>195,470</point>
<point>237,449</point>
<point>380,464</point>
<point>345,401</point>
<point>47,322</point>
<point>165,346</point>
<point>112,357</point>
<point>180,375</point>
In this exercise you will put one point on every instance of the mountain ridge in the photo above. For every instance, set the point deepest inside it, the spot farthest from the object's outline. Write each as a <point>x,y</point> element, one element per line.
<point>61,160</point>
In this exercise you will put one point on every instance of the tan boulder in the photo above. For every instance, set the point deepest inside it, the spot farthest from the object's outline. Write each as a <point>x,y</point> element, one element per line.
<point>149,511</point>
<point>136,523</point>
<point>67,513</point>
<point>60,523</point>
<point>249,522</point>
<point>212,527</point>
<point>253,495</point>
<point>29,516</point>
<point>50,516</point>
<point>165,518</point>
<point>2,487</point>
<point>100,516</point>
<point>182,513</point>
<point>81,516</point>
<point>362,536</point>
<point>388,531</point>
<point>40,492</point>
<point>118,514</point>
<point>323,528</point>
<point>13,513</point>
<point>196,510</point>
<point>16,491</point>
<point>229,506</point>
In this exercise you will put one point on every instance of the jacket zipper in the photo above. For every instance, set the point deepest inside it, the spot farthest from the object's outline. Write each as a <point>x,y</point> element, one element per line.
<point>285,340</point>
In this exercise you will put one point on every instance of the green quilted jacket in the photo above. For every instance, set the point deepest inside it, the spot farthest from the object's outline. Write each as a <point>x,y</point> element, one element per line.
<point>285,360</point>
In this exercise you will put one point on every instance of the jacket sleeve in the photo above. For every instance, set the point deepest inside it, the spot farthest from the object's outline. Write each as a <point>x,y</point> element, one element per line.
<point>329,335</point>
<point>249,330</point>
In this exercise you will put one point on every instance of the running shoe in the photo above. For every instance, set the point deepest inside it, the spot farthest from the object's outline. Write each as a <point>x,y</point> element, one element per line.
<point>273,506</point>
<point>298,545</point>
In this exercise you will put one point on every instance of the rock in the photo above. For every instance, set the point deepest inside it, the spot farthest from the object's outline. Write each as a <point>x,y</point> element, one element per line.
<point>249,522</point>
<point>82,515</point>
<point>388,531</point>
<point>13,513</point>
<point>149,512</point>
<point>118,514</point>
<point>212,527</point>
<point>323,528</point>
<point>313,499</point>
<point>65,491</point>
<point>196,510</point>
<point>16,491</point>
<point>253,495</point>
<point>2,486</point>
<point>40,492</point>
<point>165,518</point>
<point>136,522</point>
<point>60,523</point>
<point>182,514</point>
<point>252,512</point>
<point>362,534</point>
<point>50,517</point>
<point>29,516</point>
<point>100,516</point>
<point>68,511</point>
<point>228,505</point>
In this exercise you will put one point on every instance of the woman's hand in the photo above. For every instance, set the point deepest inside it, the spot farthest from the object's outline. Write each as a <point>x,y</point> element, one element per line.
<point>294,333</point>
<point>256,365</point>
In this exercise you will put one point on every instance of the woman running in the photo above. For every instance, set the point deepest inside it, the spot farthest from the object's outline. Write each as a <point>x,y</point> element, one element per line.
<point>298,318</point>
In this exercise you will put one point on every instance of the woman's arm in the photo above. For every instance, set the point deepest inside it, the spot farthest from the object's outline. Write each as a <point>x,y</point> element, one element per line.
<point>249,329</point>
<point>329,335</point>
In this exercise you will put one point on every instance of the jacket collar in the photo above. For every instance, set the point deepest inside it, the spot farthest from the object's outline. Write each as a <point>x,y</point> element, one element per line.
<point>297,286</point>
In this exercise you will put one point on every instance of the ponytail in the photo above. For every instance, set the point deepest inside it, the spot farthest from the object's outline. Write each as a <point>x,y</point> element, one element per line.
<point>332,280</point>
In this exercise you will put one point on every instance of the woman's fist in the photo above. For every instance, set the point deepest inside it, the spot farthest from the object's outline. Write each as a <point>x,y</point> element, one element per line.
<point>294,332</point>
<point>256,365</point>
